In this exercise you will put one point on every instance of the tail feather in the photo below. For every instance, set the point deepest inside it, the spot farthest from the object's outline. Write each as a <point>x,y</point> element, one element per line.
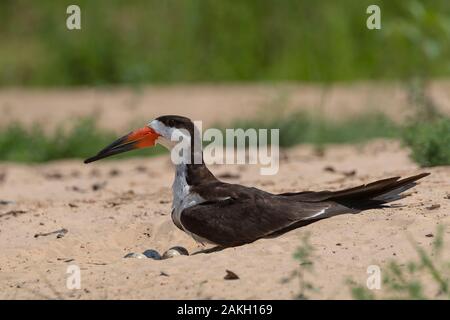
<point>353,200</point>
<point>376,193</point>
<point>395,194</point>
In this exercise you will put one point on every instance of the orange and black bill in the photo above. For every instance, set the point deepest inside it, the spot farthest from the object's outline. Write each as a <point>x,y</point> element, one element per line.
<point>141,138</point>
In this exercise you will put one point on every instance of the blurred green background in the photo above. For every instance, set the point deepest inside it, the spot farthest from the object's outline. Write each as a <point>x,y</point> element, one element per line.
<point>167,41</point>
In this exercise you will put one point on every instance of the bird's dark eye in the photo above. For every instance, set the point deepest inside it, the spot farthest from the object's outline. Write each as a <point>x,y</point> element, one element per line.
<point>174,123</point>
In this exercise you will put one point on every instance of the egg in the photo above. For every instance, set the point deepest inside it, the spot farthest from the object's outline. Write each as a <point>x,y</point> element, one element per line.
<point>152,254</point>
<point>175,251</point>
<point>135,255</point>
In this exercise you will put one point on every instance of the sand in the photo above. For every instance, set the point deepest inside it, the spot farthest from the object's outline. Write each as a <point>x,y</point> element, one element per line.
<point>112,208</point>
<point>121,108</point>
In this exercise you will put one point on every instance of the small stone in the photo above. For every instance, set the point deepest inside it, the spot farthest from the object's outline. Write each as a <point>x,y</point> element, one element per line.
<point>53,175</point>
<point>152,254</point>
<point>75,174</point>
<point>114,172</point>
<point>433,206</point>
<point>135,255</point>
<point>349,173</point>
<point>98,186</point>
<point>231,275</point>
<point>13,213</point>
<point>174,252</point>
<point>61,233</point>
<point>95,173</point>
<point>76,189</point>
<point>140,169</point>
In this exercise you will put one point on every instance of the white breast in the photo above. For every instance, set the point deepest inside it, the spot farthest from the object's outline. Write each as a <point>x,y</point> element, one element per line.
<point>183,198</point>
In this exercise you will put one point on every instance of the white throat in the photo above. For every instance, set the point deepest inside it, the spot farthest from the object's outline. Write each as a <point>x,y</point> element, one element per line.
<point>183,197</point>
<point>180,187</point>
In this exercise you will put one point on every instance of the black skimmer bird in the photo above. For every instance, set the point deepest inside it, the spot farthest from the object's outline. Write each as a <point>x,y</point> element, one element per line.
<point>229,215</point>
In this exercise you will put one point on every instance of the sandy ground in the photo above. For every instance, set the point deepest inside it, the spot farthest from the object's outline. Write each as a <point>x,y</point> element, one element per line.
<point>120,108</point>
<point>112,208</point>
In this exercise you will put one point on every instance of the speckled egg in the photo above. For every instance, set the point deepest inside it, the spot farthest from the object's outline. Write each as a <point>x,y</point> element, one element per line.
<point>135,255</point>
<point>152,254</point>
<point>175,251</point>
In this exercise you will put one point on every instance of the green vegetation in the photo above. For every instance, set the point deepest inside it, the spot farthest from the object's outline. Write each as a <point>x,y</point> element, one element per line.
<point>427,277</point>
<point>305,257</point>
<point>407,280</point>
<point>153,41</point>
<point>306,128</point>
<point>83,140</point>
<point>428,138</point>
<point>429,141</point>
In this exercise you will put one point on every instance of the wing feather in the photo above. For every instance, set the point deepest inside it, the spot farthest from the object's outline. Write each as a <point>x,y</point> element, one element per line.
<point>238,221</point>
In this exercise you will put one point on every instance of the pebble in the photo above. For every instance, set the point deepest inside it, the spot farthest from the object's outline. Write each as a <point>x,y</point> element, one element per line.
<point>98,186</point>
<point>231,275</point>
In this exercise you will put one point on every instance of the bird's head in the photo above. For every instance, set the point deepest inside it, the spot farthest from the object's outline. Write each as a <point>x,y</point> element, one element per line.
<point>165,130</point>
